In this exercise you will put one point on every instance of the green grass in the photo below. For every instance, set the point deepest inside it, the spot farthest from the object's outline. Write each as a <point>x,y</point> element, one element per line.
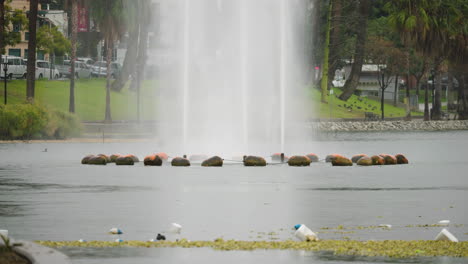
<point>90,101</point>
<point>353,108</point>
<point>89,98</point>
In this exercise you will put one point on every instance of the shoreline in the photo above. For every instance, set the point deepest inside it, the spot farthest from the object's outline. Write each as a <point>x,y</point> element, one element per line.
<point>317,126</point>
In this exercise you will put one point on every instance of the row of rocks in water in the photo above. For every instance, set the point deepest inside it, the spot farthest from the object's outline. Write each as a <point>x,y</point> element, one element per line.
<point>365,160</point>
<point>385,126</point>
<point>248,161</point>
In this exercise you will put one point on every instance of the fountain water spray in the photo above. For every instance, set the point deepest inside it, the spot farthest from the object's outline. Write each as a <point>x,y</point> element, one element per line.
<point>229,75</point>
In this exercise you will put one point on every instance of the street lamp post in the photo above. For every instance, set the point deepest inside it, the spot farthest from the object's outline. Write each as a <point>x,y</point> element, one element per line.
<point>5,69</point>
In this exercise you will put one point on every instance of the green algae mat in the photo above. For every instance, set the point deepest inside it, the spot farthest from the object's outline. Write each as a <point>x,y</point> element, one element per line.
<point>386,248</point>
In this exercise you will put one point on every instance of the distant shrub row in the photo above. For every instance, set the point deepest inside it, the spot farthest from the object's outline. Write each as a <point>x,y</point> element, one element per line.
<point>31,121</point>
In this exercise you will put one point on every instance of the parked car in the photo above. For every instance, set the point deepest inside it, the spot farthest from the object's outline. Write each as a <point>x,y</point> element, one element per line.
<point>99,69</point>
<point>43,70</point>
<point>16,67</point>
<point>81,70</point>
<point>90,62</point>
<point>64,68</point>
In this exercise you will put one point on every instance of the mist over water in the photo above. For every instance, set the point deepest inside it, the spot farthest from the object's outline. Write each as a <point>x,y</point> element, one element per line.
<point>232,81</point>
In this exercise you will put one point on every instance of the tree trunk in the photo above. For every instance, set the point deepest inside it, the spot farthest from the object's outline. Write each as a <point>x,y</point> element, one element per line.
<point>395,93</point>
<point>324,83</point>
<point>74,26</point>
<point>353,80</point>
<point>449,89</point>
<point>426,102</point>
<point>31,70</point>
<point>2,28</point>
<point>2,31</point>
<point>462,76</point>
<point>142,52</point>
<point>337,6</point>
<point>108,117</point>
<point>408,103</point>
<point>437,107</point>
<point>128,63</point>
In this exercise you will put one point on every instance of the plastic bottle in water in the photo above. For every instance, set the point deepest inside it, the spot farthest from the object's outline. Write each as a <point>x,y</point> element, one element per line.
<point>304,233</point>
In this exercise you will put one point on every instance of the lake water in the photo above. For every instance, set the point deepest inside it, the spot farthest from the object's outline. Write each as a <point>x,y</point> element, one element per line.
<point>51,196</point>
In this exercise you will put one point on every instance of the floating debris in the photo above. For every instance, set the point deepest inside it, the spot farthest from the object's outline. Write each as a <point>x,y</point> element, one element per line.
<point>115,231</point>
<point>175,228</point>
<point>304,233</point>
<point>385,226</point>
<point>445,235</point>
<point>444,222</point>
<point>386,248</point>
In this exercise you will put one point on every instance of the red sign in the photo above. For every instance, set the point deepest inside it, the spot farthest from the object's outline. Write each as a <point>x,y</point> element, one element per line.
<point>83,18</point>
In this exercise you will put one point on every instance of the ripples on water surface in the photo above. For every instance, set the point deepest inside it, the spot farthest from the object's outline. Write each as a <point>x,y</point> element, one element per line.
<point>50,196</point>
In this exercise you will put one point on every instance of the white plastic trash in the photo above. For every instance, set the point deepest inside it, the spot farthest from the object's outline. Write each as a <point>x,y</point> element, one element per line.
<point>445,235</point>
<point>115,231</point>
<point>82,241</point>
<point>118,240</point>
<point>305,234</point>
<point>175,228</point>
<point>444,222</point>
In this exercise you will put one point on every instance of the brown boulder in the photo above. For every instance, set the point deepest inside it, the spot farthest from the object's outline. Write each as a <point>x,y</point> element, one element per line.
<point>85,160</point>
<point>389,159</point>
<point>357,157</point>
<point>213,162</point>
<point>377,160</point>
<point>364,161</point>
<point>108,159</point>
<point>97,160</point>
<point>153,160</point>
<point>124,161</point>
<point>163,156</point>
<point>401,159</point>
<point>313,157</point>
<point>180,162</point>
<point>331,157</point>
<point>253,161</point>
<point>299,161</point>
<point>133,157</point>
<point>341,161</point>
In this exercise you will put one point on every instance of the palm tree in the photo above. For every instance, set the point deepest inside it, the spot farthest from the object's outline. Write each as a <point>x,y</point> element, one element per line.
<point>31,70</point>
<point>436,28</point>
<point>108,14</point>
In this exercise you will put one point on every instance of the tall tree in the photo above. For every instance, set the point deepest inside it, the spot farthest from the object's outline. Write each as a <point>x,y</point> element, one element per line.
<point>325,72</point>
<point>31,70</point>
<point>135,16</point>
<point>353,80</point>
<point>335,28</point>
<point>436,28</point>
<point>74,36</point>
<point>108,14</point>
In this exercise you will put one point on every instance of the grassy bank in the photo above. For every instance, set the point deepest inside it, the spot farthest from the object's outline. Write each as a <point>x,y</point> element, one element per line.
<point>90,101</point>
<point>90,97</point>
<point>355,107</point>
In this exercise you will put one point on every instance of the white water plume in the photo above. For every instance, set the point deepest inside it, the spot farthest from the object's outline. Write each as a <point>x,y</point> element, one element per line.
<point>232,79</point>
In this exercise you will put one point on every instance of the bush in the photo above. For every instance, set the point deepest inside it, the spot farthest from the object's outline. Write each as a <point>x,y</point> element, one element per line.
<point>32,121</point>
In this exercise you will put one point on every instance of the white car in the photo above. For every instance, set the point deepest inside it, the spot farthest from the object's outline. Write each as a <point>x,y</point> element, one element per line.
<point>43,70</point>
<point>16,67</point>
